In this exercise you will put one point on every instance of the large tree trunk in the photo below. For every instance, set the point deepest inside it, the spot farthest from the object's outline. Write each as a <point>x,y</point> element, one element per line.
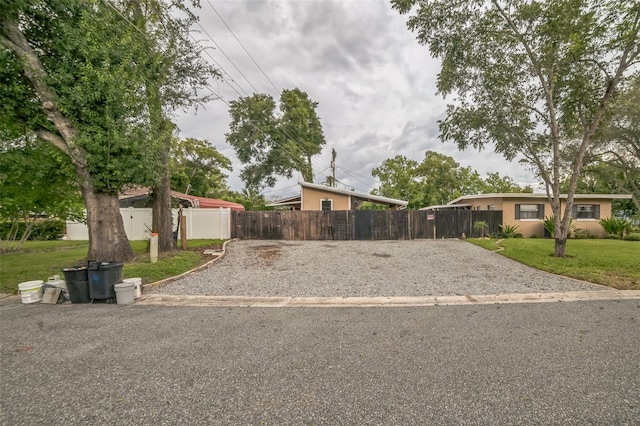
<point>560,247</point>
<point>107,238</point>
<point>162,219</point>
<point>162,129</point>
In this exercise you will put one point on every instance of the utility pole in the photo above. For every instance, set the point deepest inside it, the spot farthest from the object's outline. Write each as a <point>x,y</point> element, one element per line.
<point>333,167</point>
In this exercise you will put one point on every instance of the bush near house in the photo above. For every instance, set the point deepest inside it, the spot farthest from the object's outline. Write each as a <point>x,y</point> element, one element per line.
<point>509,231</point>
<point>616,226</point>
<point>550,226</point>
<point>46,230</point>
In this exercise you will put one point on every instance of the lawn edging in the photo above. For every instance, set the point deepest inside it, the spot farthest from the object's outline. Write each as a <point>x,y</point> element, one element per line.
<point>196,269</point>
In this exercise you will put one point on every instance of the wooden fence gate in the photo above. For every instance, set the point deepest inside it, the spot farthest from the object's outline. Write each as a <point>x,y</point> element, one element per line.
<point>361,224</point>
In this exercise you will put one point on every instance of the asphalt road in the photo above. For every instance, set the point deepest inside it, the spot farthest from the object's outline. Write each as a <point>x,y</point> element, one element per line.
<point>546,363</point>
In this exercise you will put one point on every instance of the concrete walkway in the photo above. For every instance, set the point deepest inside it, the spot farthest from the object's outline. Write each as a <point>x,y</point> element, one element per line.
<point>333,302</point>
<point>368,302</point>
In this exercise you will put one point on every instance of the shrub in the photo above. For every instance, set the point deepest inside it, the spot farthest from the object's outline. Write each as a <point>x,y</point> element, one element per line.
<point>615,226</point>
<point>581,234</point>
<point>550,225</point>
<point>631,237</point>
<point>50,229</point>
<point>509,231</point>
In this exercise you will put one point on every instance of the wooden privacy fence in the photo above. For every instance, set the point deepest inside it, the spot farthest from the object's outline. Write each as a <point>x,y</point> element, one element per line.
<point>360,224</point>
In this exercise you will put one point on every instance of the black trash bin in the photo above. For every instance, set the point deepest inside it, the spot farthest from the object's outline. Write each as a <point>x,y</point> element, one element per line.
<point>102,277</point>
<point>77,284</point>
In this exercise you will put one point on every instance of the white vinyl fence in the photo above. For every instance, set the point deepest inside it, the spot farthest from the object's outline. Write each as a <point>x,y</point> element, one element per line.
<point>201,223</point>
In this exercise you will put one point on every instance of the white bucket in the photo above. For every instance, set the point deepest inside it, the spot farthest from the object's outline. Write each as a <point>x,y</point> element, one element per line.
<point>56,282</point>
<point>137,282</point>
<point>31,291</point>
<point>125,293</point>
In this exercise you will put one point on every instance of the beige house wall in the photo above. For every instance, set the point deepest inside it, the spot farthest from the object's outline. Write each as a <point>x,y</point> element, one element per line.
<point>529,227</point>
<point>592,226</point>
<point>311,200</point>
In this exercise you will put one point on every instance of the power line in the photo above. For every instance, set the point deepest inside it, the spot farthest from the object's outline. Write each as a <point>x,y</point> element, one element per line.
<point>244,48</point>
<point>268,79</point>
<point>357,176</point>
<point>229,59</point>
<point>280,189</point>
<point>223,70</point>
<point>284,132</point>
<point>207,87</point>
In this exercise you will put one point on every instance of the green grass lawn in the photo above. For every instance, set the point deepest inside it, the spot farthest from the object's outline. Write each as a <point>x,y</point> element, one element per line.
<point>39,260</point>
<point>614,263</point>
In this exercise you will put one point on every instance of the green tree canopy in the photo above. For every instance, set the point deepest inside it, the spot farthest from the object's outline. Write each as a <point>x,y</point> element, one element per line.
<point>438,179</point>
<point>197,167</point>
<point>95,79</point>
<point>271,143</point>
<point>616,157</point>
<point>535,78</point>
<point>494,183</point>
<point>250,198</point>
<point>36,180</point>
<point>85,78</point>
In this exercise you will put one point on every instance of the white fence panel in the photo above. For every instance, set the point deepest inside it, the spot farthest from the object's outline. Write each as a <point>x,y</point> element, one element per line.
<point>207,223</point>
<point>137,223</point>
<point>201,224</point>
<point>77,231</point>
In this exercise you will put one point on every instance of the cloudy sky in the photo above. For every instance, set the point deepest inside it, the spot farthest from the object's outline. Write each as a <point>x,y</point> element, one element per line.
<point>374,83</point>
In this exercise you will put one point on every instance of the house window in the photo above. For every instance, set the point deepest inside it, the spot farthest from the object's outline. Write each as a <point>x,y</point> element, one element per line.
<point>529,211</point>
<point>586,211</point>
<point>491,207</point>
<point>326,204</point>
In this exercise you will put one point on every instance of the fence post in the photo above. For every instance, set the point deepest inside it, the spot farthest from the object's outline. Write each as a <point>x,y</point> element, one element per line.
<point>153,247</point>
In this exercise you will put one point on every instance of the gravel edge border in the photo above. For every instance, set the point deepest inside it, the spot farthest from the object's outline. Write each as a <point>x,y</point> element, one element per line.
<point>184,274</point>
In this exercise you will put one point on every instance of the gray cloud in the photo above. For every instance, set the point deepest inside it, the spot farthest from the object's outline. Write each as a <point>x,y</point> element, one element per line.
<point>375,85</point>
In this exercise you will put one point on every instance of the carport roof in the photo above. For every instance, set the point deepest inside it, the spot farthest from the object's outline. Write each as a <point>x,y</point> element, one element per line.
<point>361,195</point>
<point>296,199</point>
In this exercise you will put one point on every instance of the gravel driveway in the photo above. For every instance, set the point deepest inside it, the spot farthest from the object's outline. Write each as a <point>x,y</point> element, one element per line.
<point>366,269</point>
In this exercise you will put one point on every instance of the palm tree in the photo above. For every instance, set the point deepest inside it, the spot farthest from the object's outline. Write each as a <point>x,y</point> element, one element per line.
<point>481,226</point>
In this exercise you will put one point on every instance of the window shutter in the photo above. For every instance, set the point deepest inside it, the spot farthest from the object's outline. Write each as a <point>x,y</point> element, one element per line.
<point>517,211</point>
<point>540,211</point>
<point>574,211</point>
<point>596,211</point>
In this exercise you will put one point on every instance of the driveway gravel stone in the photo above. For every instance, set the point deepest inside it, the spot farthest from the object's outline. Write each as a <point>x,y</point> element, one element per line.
<point>366,269</point>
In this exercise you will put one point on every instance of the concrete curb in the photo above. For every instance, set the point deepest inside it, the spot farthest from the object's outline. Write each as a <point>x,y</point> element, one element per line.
<point>332,302</point>
<point>199,268</point>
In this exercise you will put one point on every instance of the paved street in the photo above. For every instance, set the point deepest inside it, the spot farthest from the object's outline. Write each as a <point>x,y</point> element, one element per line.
<point>541,363</point>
